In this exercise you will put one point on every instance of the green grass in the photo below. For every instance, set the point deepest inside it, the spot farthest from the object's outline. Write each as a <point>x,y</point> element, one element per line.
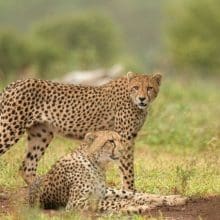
<point>177,151</point>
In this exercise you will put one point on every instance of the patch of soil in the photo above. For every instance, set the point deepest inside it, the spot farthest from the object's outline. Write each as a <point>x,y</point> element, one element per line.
<point>206,208</point>
<point>4,203</point>
<point>10,200</point>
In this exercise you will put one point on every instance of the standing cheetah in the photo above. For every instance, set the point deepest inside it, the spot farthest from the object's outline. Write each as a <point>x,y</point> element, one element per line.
<point>43,108</point>
<point>77,181</point>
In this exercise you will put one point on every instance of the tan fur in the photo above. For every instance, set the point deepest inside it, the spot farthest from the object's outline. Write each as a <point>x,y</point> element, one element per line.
<point>43,108</point>
<point>77,181</point>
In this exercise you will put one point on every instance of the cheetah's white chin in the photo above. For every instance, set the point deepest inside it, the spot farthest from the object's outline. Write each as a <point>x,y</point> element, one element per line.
<point>142,105</point>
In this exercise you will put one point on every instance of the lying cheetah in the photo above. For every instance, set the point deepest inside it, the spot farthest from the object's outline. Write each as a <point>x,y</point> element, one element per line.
<point>43,108</point>
<point>77,181</point>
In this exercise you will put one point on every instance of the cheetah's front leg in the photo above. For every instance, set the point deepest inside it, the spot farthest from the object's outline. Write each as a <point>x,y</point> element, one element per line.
<point>39,137</point>
<point>128,131</point>
<point>127,165</point>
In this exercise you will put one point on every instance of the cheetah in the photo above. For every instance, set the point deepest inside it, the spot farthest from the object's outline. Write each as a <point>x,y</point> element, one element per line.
<point>44,108</point>
<point>77,181</point>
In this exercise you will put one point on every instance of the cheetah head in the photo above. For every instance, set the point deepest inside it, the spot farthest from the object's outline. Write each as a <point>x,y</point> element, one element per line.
<point>105,145</point>
<point>143,88</point>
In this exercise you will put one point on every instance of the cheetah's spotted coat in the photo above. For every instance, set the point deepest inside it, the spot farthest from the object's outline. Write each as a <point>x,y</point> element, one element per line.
<point>43,108</point>
<point>77,181</point>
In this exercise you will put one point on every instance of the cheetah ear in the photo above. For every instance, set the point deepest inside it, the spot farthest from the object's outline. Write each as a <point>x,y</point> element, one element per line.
<point>89,138</point>
<point>93,142</point>
<point>157,77</point>
<point>130,75</point>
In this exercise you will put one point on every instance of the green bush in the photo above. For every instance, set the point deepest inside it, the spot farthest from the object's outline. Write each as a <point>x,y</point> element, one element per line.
<point>79,42</point>
<point>45,56</point>
<point>18,54</point>
<point>90,40</point>
<point>194,35</point>
<point>15,54</point>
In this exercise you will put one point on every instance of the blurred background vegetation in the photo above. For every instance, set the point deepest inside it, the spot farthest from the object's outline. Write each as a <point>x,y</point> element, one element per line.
<point>48,38</point>
<point>180,144</point>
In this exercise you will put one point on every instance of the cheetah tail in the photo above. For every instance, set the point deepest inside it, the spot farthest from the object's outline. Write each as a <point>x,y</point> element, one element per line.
<point>35,191</point>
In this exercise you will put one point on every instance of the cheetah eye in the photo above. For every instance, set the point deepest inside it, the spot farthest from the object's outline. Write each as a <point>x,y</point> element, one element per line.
<point>135,87</point>
<point>149,89</point>
<point>112,142</point>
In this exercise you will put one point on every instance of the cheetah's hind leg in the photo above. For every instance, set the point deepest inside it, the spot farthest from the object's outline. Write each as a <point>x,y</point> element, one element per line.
<point>39,137</point>
<point>128,202</point>
<point>10,131</point>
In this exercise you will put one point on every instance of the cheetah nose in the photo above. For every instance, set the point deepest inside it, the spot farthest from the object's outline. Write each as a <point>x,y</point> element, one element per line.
<point>142,99</point>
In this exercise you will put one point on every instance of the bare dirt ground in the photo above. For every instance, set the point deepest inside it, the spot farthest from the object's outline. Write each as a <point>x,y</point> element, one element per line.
<point>200,208</point>
<point>205,208</point>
